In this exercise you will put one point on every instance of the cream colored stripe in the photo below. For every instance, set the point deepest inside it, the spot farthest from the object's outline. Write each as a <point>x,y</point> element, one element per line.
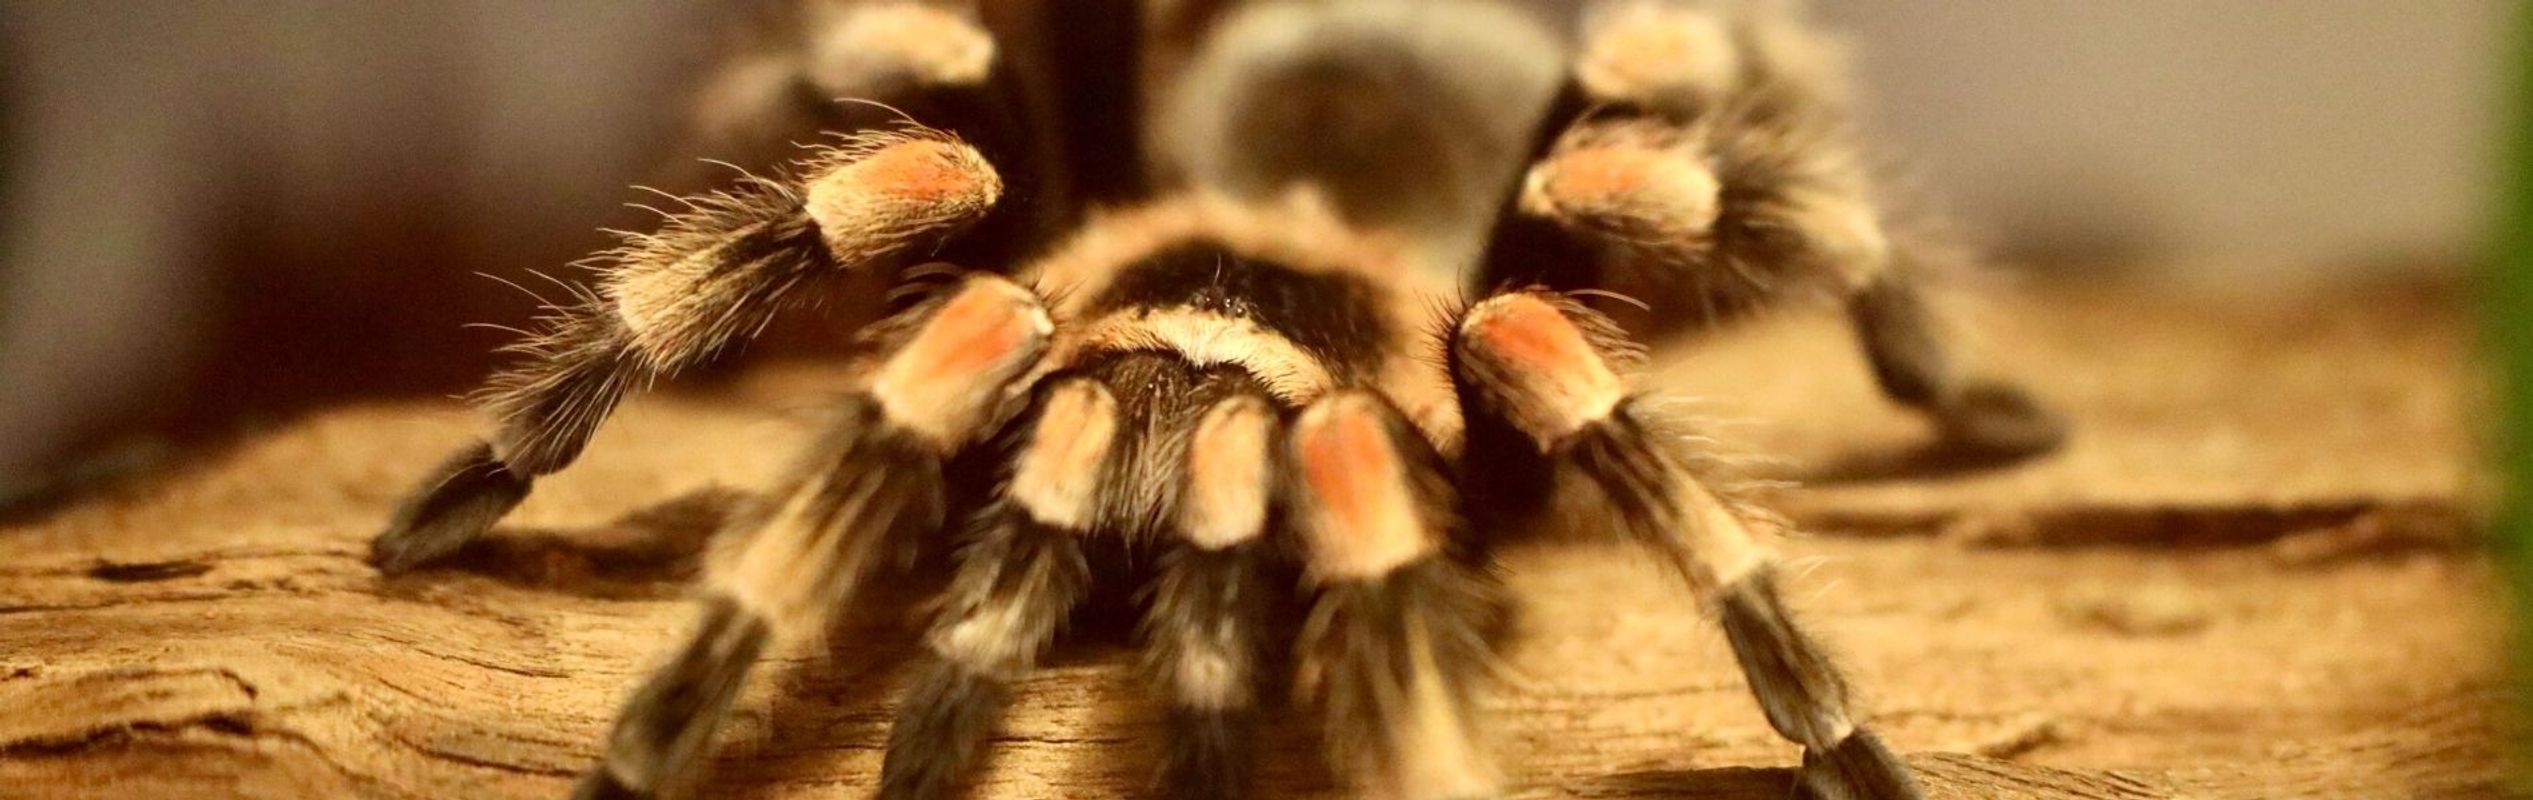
<point>1359,515</point>
<point>1227,475</point>
<point>1208,679</point>
<point>1057,478</point>
<point>1209,339</point>
<point>1439,752</point>
<point>952,370</point>
<point>1721,547</point>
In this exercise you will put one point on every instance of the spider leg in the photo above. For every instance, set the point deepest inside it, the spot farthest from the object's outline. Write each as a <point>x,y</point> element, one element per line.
<point>1539,380</point>
<point>1204,629</point>
<point>1720,176</point>
<point>1909,361</point>
<point>1396,643</point>
<point>707,281</point>
<point>870,488</point>
<point>1017,580</point>
<point>1682,60</point>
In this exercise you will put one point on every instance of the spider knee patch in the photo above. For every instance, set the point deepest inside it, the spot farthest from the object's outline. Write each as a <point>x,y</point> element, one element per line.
<point>1228,476</point>
<point>1633,181</point>
<point>883,191</point>
<point>877,478</point>
<point>949,376</point>
<point>1057,477</point>
<point>1531,362</point>
<point>1359,502</point>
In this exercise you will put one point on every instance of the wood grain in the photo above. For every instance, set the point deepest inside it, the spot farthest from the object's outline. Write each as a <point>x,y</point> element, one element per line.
<point>2252,576</point>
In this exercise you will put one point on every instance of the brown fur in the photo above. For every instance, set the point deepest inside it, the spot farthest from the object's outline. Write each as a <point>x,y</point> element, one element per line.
<point>1296,231</point>
<point>1358,500</point>
<point>1056,479</point>
<point>1229,475</point>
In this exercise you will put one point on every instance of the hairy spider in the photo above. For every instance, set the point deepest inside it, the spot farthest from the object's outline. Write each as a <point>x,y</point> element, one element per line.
<point>1250,368</point>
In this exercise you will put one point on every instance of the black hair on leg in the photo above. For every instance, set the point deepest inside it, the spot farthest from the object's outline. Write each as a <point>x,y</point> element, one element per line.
<point>464,495</point>
<point>1017,580</point>
<point>1015,586</point>
<point>1538,378</point>
<point>1204,630</point>
<point>1899,334</point>
<point>873,486</point>
<point>672,717</point>
<point>1209,610</point>
<point>705,281</point>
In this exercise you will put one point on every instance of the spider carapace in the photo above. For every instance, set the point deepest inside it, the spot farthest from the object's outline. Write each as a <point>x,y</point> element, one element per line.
<point>1295,300</point>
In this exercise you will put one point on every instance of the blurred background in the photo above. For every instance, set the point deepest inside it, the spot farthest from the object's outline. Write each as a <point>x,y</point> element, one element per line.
<point>217,214</point>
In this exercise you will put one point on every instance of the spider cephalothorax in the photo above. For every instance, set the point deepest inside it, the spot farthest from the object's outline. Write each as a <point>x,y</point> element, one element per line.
<point>1255,372</point>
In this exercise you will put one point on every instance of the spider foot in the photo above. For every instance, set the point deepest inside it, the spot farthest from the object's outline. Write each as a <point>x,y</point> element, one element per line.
<point>603,785</point>
<point>2000,420</point>
<point>1859,767</point>
<point>459,500</point>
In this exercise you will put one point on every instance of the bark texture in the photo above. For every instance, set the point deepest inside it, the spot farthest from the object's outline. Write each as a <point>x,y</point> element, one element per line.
<point>2252,574</point>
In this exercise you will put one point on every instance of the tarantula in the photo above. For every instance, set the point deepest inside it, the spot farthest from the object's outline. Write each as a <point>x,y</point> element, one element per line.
<point>1248,377</point>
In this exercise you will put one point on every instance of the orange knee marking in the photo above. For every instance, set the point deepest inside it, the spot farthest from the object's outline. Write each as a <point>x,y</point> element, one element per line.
<point>877,194</point>
<point>1664,190</point>
<point>1551,381</point>
<point>1525,332</point>
<point>972,330</point>
<point>1056,479</point>
<point>1599,173</point>
<point>946,376</point>
<point>924,171</point>
<point>1360,512</point>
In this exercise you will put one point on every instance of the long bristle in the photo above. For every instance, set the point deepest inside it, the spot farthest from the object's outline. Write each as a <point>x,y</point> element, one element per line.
<point>672,717</point>
<point>1396,644</point>
<point>1016,584</point>
<point>942,724</point>
<point>1203,634</point>
<point>566,381</point>
<point>1393,667</point>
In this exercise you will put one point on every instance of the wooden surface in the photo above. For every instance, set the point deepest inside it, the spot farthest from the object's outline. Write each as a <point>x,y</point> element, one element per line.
<point>2251,575</point>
